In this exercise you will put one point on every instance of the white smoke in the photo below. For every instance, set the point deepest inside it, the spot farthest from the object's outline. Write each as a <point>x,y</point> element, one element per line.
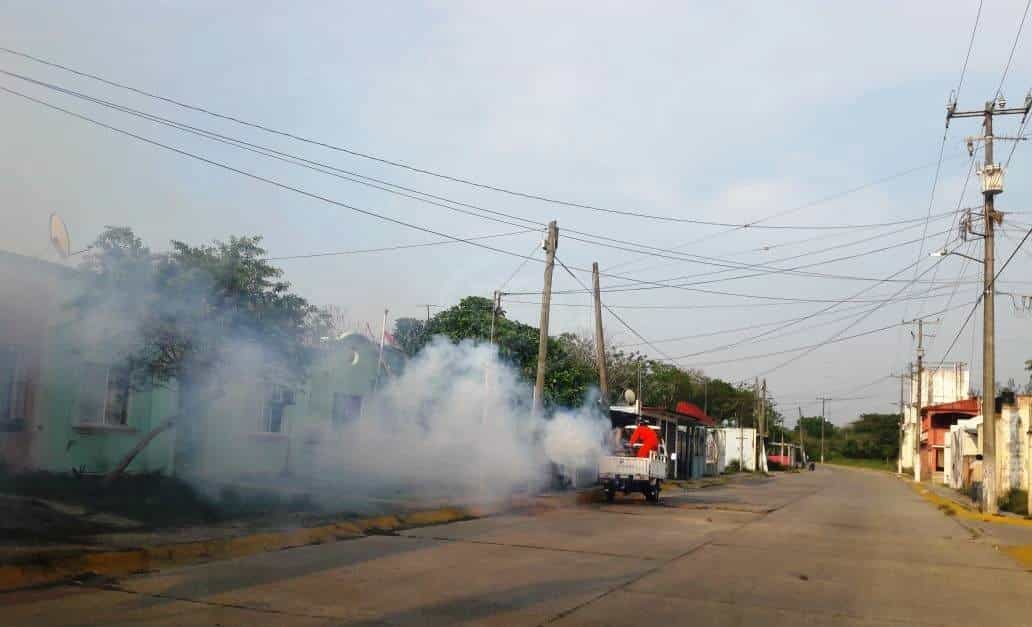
<point>458,423</point>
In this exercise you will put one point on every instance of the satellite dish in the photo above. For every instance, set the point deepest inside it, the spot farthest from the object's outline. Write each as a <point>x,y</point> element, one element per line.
<point>59,236</point>
<point>630,396</point>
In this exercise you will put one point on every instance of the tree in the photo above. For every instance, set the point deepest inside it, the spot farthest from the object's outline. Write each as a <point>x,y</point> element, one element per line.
<point>409,334</point>
<point>184,316</point>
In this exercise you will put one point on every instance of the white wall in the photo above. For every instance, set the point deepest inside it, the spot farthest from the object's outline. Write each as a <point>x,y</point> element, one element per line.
<point>735,441</point>
<point>948,384</point>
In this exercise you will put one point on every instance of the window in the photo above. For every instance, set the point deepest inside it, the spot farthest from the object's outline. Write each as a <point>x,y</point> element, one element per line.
<point>14,391</point>
<point>272,410</point>
<point>104,395</point>
<point>346,408</point>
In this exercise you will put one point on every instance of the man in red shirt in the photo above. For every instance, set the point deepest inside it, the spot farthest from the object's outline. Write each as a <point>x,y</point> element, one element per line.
<point>648,438</point>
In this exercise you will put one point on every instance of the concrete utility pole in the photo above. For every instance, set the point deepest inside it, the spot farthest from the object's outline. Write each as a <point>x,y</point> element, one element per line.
<point>550,244</point>
<point>763,408</point>
<point>802,446</point>
<point>902,421</point>
<point>494,312</point>
<point>600,344</point>
<point>992,184</point>
<point>920,390</point>
<point>756,423</point>
<point>822,399</point>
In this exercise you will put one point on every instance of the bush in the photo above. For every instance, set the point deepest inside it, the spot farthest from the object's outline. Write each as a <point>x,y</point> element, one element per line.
<point>1014,501</point>
<point>732,467</point>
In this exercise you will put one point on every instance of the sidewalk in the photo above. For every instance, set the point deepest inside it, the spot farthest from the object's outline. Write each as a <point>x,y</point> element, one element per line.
<point>1005,532</point>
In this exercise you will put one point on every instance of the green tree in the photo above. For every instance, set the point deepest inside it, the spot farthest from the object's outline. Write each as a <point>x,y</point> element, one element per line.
<point>409,333</point>
<point>182,315</point>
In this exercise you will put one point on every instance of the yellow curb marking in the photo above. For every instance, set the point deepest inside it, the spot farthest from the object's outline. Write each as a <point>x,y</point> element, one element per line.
<point>958,510</point>
<point>125,562</point>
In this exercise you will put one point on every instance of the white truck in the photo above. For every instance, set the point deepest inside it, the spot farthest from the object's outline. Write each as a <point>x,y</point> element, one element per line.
<point>626,473</point>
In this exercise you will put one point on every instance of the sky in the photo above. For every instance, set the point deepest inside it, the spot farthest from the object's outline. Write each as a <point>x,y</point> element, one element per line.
<point>792,114</point>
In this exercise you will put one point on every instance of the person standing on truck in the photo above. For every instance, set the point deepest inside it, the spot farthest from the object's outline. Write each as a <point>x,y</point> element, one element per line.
<point>648,438</point>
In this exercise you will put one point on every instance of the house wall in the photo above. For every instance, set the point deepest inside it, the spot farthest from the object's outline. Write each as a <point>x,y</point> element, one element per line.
<point>29,290</point>
<point>944,385</point>
<point>236,442</point>
<point>734,442</point>
<point>1012,443</point>
<point>67,441</point>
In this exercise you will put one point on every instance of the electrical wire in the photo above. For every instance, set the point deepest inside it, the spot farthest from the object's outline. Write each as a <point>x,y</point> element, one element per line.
<point>1014,46</point>
<point>971,44</point>
<point>392,162</point>
<point>810,347</point>
<point>992,285</point>
<point>358,251</point>
<point>377,184</point>
<point>614,314</point>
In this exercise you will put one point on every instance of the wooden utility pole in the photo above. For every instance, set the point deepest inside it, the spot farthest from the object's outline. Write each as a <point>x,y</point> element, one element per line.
<point>992,184</point>
<point>600,344</point>
<point>550,244</point>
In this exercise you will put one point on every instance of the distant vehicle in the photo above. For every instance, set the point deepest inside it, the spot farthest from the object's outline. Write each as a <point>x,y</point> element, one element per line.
<point>624,472</point>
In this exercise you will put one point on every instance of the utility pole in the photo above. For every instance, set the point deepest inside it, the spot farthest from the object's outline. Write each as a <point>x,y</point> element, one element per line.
<point>902,422</point>
<point>763,408</point>
<point>756,424</point>
<point>550,244</point>
<point>822,399</point>
<point>428,313</point>
<point>383,336</point>
<point>494,312</point>
<point>992,184</point>
<point>802,446</point>
<point>600,344</point>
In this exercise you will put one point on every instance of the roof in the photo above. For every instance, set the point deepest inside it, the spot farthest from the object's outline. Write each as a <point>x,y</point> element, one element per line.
<point>969,406</point>
<point>692,410</point>
<point>685,412</point>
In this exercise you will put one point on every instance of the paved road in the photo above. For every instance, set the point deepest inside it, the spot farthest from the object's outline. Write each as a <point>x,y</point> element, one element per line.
<point>833,547</point>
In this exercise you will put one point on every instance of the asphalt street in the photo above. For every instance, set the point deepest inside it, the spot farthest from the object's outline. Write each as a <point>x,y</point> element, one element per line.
<point>831,547</point>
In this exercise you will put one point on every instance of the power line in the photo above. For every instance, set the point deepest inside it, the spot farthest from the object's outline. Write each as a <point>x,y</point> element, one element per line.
<point>519,267</point>
<point>1014,46</point>
<point>971,44</point>
<point>358,251</point>
<point>409,167</point>
<point>823,199</point>
<point>811,347</point>
<point>348,175</point>
<point>981,296</point>
<point>616,315</point>
<point>844,329</point>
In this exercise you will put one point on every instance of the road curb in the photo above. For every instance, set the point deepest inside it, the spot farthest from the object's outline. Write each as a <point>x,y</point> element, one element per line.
<point>41,569</point>
<point>954,508</point>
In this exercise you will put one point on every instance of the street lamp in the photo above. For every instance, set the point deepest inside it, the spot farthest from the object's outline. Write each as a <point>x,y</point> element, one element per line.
<point>944,253</point>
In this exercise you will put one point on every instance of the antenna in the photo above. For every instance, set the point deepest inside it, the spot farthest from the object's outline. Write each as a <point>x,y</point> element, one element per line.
<point>59,237</point>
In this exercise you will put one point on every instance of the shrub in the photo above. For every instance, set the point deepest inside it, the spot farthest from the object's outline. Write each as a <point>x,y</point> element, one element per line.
<point>1014,501</point>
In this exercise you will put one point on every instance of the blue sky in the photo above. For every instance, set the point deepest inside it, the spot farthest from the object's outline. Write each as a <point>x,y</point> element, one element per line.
<point>727,112</point>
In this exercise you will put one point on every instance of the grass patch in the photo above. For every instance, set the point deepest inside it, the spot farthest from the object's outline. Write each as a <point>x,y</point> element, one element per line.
<point>154,500</point>
<point>858,462</point>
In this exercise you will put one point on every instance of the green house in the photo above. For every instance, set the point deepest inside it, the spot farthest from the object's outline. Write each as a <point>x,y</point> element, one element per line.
<point>66,401</point>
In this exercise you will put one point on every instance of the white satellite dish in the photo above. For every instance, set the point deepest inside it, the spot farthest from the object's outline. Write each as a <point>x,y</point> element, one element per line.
<point>630,396</point>
<point>59,237</point>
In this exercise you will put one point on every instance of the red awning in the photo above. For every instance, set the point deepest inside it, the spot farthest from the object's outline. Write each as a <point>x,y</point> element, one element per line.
<point>968,406</point>
<point>692,410</point>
